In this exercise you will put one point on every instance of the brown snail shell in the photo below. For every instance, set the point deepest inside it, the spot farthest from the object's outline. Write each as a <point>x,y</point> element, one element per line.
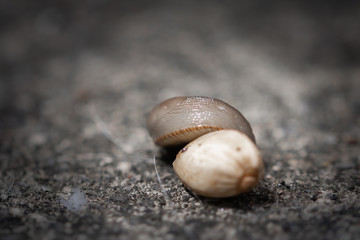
<point>180,120</point>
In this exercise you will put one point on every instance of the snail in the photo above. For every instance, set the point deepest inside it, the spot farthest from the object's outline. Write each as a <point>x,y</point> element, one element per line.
<point>180,120</point>
<point>222,159</point>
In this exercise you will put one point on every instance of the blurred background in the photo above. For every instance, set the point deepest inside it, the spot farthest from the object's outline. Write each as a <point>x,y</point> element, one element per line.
<point>249,51</point>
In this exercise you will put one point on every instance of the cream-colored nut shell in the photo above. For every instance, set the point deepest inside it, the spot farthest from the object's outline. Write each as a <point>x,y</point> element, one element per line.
<point>223,163</point>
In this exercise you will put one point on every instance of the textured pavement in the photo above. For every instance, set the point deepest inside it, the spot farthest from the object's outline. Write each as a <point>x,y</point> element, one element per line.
<point>78,79</point>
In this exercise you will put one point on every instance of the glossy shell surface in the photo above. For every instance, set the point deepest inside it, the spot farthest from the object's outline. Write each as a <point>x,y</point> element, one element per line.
<point>180,120</point>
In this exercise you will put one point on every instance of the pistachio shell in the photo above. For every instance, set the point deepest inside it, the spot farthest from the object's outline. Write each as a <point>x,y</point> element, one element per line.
<point>223,163</point>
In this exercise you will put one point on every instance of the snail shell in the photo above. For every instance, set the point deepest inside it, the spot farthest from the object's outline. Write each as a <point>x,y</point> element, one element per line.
<point>219,164</point>
<point>180,120</point>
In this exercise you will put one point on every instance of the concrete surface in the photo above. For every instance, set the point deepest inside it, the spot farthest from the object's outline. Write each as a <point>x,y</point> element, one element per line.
<point>78,78</point>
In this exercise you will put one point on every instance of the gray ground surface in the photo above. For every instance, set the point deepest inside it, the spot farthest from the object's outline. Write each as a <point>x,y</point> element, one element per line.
<point>78,79</point>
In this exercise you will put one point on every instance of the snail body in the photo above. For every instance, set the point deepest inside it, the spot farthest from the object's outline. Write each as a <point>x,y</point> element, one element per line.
<point>221,159</point>
<point>220,164</point>
<point>180,120</point>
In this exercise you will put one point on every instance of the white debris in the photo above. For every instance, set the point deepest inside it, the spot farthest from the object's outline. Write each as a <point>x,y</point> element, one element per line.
<point>76,202</point>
